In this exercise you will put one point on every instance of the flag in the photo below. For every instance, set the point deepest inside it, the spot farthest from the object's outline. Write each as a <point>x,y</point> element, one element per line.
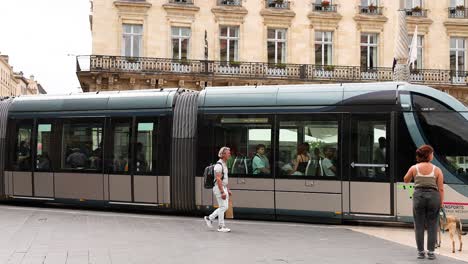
<point>413,54</point>
<point>394,64</point>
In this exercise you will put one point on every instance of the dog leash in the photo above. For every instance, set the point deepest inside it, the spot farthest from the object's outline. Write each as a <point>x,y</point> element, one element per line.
<point>442,215</point>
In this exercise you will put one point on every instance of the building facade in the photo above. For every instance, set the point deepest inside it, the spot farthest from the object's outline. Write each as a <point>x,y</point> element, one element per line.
<point>194,43</point>
<point>7,82</point>
<point>14,83</point>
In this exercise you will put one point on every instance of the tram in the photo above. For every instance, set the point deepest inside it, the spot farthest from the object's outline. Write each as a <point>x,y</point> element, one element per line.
<point>148,149</point>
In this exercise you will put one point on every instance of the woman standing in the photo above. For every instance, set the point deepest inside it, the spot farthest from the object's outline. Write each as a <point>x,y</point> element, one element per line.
<point>427,199</point>
<point>302,158</point>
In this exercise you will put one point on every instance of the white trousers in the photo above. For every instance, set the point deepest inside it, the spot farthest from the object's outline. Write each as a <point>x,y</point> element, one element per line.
<point>222,206</point>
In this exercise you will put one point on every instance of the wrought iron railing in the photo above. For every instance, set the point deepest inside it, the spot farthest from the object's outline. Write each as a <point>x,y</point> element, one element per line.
<point>370,10</point>
<point>324,8</point>
<point>303,72</point>
<point>416,12</point>
<point>277,4</point>
<point>181,2</point>
<point>229,2</point>
<point>458,12</point>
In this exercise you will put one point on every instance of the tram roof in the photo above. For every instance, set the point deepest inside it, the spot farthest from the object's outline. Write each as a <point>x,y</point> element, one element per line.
<point>113,100</point>
<point>318,95</point>
<point>297,95</point>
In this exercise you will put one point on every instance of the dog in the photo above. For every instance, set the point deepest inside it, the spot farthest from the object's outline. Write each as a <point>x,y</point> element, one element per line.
<point>452,224</point>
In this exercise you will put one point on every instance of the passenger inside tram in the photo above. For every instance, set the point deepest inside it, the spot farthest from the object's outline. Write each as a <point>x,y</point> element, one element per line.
<point>141,164</point>
<point>329,168</point>
<point>302,158</point>
<point>260,162</point>
<point>43,161</point>
<point>314,168</point>
<point>76,159</point>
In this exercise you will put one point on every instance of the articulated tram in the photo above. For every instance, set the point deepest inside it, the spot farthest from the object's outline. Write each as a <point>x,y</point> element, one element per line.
<point>148,149</point>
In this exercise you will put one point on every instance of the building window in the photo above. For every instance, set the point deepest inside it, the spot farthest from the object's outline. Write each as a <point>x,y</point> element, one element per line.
<point>180,43</point>
<point>323,48</point>
<point>132,40</point>
<point>369,43</point>
<point>276,45</point>
<point>418,64</point>
<point>457,9</point>
<point>455,3</point>
<point>457,54</point>
<point>410,4</point>
<point>229,43</point>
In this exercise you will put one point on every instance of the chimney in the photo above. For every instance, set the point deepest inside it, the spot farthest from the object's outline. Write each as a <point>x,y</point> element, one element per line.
<point>31,77</point>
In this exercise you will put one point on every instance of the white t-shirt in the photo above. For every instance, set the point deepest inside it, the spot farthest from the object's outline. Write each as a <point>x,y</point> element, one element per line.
<point>219,169</point>
<point>326,165</point>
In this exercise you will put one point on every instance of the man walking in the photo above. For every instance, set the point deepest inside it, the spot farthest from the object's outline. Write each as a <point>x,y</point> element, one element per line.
<point>221,191</point>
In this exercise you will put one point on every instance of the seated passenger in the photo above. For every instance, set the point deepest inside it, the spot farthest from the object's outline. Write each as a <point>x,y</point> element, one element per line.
<point>141,163</point>
<point>302,159</point>
<point>120,164</point>
<point>76,159</point>
<point>260,163</point>
<point>43,161</point>
<point>327,165</point>
<point>314,168</point>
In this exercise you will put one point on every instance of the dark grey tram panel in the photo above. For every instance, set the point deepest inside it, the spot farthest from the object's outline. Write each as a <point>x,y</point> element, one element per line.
<point>4,107</point>
<point>183,151</point>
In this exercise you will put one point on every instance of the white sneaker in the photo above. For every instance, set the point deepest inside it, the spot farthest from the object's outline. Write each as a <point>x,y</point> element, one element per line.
<point>223,229</point>
<point>208,222</point>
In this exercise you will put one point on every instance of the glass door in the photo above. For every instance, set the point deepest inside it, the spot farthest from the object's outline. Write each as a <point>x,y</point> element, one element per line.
<point>370,180</point>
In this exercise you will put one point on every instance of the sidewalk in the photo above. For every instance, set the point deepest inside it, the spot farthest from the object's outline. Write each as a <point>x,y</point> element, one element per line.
<point>405,236</point>
<point>63,236</point>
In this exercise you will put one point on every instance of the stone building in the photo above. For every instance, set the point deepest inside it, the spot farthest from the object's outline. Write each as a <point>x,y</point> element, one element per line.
<point>14,83</point>
<point>7,82</point>
<point>139,44</point>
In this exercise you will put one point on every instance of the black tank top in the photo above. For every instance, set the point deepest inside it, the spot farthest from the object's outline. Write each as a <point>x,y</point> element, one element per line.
<point>301,166</point>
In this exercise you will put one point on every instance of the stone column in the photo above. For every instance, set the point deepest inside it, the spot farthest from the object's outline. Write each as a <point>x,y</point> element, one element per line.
<point>401,72</point>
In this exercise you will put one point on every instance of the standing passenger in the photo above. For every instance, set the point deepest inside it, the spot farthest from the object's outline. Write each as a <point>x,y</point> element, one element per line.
<point>427,199</point>
<point>221,191</point>
<point>302,158</point>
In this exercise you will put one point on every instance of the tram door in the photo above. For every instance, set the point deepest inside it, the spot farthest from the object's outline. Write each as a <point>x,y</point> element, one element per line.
<point>370,181</point>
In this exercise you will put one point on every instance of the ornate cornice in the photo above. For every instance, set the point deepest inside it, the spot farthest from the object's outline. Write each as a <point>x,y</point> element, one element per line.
<point>181,13</point>
<point>133,7</point>
<point>229,14</point>
<point>423,24</point>
<point>458,27</point>
<point>324,20</point>
<point>370,22</point>
<point>274,17</point>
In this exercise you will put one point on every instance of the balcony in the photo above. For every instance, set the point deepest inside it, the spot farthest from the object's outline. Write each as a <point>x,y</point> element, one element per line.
<point>458,12</point>
<point>229,2</point>
<point>181,2</point>
<point>258,70</point>
<point>324,8</point>
<point>277,4</point>
<point>370,10</point>
<point>416,12</point>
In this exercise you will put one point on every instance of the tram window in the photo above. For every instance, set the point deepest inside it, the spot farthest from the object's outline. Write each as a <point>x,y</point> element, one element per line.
<point>308,148</point>
<point>82,145</point>
<point>144,147</point>
<point>22,159</point>
<point>447,133</point>
<point>250,141</point>
<point>372,149</point>
<point>43,148</point>
<point>405,149</point>
<point>121,147</point>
